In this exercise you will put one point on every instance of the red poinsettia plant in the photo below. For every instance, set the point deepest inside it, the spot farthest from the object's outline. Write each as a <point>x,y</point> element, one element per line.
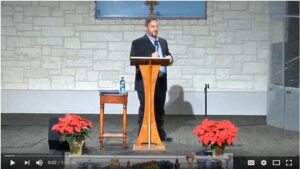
<point>72,128</point>
<point>216,133</point>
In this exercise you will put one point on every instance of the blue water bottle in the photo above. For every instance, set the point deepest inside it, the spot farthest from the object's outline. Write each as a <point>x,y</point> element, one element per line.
<point>122,85</point>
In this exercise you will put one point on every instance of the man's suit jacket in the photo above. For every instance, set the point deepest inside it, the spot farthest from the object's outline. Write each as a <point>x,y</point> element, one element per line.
<point>143,47</point>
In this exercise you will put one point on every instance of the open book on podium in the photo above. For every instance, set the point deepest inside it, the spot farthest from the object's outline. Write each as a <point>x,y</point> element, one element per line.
<point>148,138</point>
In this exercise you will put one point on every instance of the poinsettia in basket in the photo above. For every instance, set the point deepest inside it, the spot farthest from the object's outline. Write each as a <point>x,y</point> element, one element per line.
<point>216,134</point>
<point>73,129</point>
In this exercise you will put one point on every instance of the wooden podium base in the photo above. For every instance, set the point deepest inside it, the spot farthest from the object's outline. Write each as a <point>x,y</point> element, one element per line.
<point>148,139</point>
<point>145,147</point>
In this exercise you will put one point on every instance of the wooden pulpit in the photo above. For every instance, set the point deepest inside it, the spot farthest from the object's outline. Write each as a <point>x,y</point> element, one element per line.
<point>148,138</point>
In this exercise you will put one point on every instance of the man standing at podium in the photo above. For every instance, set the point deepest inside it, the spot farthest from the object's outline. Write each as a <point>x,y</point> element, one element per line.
<point>150,45</point>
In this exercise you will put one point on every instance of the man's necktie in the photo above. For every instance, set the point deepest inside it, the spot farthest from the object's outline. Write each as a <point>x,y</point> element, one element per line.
<point>162,68</point>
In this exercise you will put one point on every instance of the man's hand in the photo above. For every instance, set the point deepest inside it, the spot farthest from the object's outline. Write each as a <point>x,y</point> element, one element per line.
<point>169,57</point>
<point>155,55</point>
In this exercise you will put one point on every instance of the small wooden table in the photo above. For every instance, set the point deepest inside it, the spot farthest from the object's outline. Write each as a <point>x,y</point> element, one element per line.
<point>113,99</point>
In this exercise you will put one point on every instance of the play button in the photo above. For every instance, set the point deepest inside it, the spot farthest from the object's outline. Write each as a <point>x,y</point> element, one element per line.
<point>12,163</point>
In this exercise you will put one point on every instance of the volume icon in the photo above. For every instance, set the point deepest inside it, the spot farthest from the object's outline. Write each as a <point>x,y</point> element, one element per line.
<point>39,162</point>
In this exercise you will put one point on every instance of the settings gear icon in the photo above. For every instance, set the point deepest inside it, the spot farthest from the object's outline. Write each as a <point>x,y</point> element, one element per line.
<point>263,162</point>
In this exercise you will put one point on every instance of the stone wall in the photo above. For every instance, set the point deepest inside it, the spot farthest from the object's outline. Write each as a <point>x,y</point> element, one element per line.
<point>61,46</point>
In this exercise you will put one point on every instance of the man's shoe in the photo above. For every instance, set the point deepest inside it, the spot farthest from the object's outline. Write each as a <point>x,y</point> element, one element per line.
<point>167,139</point>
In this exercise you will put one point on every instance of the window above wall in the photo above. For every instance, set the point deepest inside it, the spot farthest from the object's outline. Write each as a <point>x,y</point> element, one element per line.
<point>140,9</point>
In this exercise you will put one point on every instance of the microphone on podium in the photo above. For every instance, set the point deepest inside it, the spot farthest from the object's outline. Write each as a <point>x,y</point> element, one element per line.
<point>156,45</point>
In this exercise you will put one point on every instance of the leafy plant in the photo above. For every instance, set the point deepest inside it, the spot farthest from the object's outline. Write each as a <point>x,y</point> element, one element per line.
<point>72,127</point>
<point>216,133</point>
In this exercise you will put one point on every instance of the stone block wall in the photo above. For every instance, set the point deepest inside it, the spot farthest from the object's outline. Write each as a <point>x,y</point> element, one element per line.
<point>61,46</point>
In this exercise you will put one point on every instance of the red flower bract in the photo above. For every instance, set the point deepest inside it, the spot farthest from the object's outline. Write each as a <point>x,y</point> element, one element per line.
<point>70,124</point>
<point>218,133</point>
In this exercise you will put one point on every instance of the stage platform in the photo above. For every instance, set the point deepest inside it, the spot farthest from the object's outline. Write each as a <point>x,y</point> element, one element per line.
<point>27,133</point>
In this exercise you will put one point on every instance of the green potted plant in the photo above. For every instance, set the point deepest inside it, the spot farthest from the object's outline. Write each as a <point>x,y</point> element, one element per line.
<point>75,130</point>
